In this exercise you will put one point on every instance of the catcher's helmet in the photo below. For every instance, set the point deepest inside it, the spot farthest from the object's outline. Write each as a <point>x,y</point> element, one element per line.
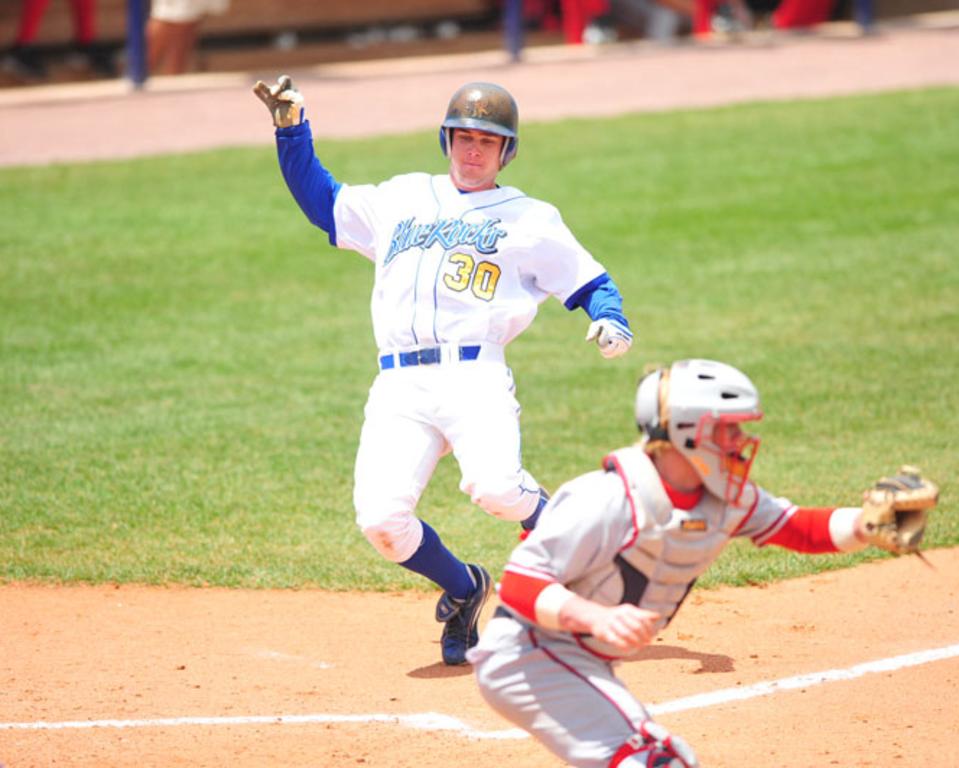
<point>483,107</point>
<point>681,405</point>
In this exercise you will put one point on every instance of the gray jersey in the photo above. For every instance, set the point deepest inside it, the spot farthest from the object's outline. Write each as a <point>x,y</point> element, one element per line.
<point>611,537</point>
<point>614,537</point>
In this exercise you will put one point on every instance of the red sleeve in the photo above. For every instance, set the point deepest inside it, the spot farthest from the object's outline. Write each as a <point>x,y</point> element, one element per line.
<point>806,530</point>
<point>520,590</point>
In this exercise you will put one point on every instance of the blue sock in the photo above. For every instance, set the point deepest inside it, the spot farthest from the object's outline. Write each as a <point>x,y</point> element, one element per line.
<point>434,561</point>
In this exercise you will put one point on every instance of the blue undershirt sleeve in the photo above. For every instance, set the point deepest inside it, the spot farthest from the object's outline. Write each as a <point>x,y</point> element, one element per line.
<point>313,186</point>
<point>599,298</point>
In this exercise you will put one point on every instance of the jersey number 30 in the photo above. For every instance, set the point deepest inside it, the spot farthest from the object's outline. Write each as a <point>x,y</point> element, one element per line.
<point>481,278</point>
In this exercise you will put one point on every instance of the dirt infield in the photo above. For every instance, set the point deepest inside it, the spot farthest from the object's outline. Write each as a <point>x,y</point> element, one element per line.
<point>138,672</point>
<point>867,659</point>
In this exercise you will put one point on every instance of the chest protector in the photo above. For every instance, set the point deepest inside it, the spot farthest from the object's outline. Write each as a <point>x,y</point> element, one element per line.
<point>666,550</point>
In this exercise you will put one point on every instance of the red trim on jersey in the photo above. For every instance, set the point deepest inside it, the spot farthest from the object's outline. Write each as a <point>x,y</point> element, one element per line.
<point>682,499</point>
<point>806,530</point>
<point>593,651</point>
<point>761,537</point>
<point>749,514</point>
<point>520,590</point>
<point>611,462</point>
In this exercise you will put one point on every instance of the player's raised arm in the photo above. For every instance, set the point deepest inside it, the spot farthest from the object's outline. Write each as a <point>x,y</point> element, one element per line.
<point>313,187</point>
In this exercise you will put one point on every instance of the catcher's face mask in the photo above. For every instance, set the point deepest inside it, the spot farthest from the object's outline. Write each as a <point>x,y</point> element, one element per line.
<point>734,450</point>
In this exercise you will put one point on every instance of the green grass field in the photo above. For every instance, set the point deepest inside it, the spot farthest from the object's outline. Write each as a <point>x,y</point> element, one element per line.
<point>184,359</point>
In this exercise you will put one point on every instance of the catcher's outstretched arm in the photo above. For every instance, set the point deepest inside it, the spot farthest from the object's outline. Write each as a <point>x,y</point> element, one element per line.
<point>816,530</point>
<point>893,517</point>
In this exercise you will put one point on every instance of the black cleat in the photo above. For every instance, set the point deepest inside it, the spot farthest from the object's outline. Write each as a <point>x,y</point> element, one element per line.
<point>461,617</point>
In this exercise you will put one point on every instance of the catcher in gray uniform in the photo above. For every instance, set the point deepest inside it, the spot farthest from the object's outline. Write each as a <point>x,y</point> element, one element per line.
<point>617,550</point>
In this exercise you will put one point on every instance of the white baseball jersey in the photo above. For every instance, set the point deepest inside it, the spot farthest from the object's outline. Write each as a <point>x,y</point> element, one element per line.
<point>453,267</point>
<point>458,276</point>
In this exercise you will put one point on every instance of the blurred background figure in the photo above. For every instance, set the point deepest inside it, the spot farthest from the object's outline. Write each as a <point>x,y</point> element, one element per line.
<point>721,17</point>
<point>172,33</point>
<point>603,21</point>
<point>546,15</point>
<point>580,15</point>
<point>665,21</point>
<point>660,20</point>
<point>729,17</point>
<point>541,14</point>
<point>800,14</point>
<point>25,60</point>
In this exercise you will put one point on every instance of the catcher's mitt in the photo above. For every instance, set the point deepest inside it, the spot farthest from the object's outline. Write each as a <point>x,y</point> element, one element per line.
<point>894,511</point>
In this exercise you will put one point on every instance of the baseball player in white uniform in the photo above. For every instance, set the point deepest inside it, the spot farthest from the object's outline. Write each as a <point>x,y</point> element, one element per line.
<point>461,265</point>
<point>616,552</point>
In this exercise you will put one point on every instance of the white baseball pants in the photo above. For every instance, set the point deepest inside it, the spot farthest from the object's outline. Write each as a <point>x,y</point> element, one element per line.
<point>414,416</point>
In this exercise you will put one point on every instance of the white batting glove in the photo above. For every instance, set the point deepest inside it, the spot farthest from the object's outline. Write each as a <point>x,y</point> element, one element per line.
<point>283,100</point>
<point>612,338</point>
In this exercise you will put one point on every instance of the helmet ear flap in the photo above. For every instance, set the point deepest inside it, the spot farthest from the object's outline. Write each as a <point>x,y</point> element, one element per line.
<point>652,405</point>
<point>510,146</point>
<point>446,140</point>
<point>661,429</point>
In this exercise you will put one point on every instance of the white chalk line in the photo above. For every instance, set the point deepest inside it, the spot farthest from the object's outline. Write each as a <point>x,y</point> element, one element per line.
<point>804,681</point>
<point>432,721</point>
<point>287,657</point>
